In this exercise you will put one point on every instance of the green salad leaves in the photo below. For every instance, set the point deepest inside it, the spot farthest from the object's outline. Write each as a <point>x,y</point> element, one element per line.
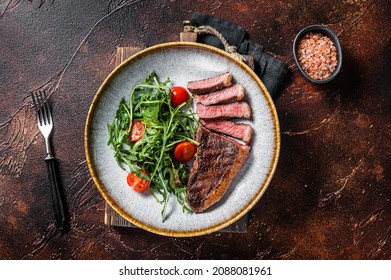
<point>165,126</point>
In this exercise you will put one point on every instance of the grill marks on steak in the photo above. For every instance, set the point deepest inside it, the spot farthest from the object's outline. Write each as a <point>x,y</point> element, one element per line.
<point>226,111</point>
<point>210,84</point>
<point>241,131</point>
<point>226,95</point>
<point>218,162</point>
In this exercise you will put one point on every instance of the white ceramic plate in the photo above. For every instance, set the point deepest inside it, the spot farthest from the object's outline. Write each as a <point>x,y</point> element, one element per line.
<point>181,62</point>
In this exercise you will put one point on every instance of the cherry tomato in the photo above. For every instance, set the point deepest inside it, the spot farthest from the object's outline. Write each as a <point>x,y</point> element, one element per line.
<point>136,131</point>
<point>178,95</point>
<point>137,183</point>
<point>184,151</point>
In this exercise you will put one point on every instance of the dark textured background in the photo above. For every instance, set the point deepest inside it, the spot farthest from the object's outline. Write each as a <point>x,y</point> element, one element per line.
<point>330,196</point>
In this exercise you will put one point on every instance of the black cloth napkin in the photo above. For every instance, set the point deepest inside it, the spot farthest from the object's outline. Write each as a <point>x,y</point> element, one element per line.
<point>272,71</point>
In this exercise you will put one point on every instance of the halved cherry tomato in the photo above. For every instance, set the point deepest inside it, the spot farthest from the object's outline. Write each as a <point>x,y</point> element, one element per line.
<point>178,95</point>
<point>184,151</point>
<point>136,131</point>
<point>137,183</point>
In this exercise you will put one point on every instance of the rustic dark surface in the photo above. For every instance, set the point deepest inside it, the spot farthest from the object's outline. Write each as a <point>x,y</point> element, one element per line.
<point>330,195</point>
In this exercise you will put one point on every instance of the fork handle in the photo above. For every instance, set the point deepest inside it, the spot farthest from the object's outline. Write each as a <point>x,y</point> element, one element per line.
<point>57,200</point>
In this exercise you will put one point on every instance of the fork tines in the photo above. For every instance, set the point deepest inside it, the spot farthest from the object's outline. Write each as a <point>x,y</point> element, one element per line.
<point>41,107</point>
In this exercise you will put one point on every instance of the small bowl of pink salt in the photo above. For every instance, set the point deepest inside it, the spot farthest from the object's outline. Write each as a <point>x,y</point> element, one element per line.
<point>318,53</point>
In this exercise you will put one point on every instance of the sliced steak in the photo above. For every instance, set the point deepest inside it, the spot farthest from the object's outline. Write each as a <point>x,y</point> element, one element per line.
<point>218,162</point>
<point>226,111</point>
<point>240,131</point>
<point>223,96</point>
<point>210,84</point>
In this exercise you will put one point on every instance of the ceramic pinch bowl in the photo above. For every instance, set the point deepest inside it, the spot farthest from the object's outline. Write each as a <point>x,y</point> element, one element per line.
<point>314,72</point>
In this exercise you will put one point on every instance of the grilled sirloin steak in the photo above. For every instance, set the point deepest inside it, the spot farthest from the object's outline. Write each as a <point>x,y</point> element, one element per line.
<point>239,109</point>
<point>210,84</point>
<point>241,131</point>
<point>218,162</point>
<point>226,95</point>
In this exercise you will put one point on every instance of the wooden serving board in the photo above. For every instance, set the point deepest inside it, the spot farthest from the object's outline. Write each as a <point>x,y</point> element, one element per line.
<point>112,218</point>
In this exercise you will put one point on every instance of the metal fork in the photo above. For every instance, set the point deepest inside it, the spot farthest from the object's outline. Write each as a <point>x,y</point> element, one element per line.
<point>45,125</point>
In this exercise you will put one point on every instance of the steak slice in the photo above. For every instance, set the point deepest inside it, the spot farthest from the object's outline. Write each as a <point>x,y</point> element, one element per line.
<point>218,162</point>
<point>210,84</point>
<point>240,131</point>
<point>223,96</point>
<point>225,111</point>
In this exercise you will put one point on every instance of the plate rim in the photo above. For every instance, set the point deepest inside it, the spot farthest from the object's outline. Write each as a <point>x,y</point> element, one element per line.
<point>186,233</point>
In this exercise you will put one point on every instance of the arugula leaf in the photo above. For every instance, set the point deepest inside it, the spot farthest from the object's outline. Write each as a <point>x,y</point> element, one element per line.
<point>166,126</point>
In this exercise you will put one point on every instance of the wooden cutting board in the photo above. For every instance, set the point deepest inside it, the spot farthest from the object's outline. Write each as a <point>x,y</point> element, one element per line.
<point>112,218</point>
